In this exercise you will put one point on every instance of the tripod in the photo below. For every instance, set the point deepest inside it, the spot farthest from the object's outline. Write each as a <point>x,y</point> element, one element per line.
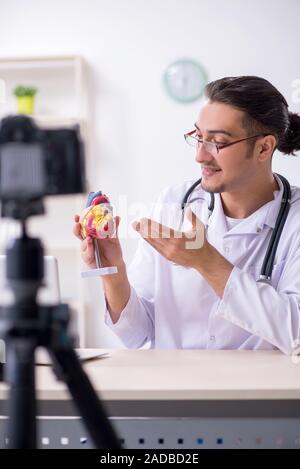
<point>25,325</point>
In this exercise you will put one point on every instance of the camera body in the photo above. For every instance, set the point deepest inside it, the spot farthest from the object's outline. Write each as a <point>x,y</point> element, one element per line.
<point>37,162</point>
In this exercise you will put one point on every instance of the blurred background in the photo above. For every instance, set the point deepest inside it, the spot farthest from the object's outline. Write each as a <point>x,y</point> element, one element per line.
<point>102,64</point>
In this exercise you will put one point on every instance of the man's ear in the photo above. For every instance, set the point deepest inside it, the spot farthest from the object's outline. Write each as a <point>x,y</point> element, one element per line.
<point>266,146</point>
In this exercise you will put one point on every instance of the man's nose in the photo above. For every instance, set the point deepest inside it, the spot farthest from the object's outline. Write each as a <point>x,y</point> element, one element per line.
<point>203,156</point>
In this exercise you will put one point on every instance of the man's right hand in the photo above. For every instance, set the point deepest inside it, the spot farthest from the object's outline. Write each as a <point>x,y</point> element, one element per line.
<point>116,286</point>
<point>109,248</point>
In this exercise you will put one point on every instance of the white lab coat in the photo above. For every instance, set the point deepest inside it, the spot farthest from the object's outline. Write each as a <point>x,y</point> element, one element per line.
<point>174,307</point>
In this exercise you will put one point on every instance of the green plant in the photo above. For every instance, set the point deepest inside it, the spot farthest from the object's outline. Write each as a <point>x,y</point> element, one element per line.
<point>24,91</point>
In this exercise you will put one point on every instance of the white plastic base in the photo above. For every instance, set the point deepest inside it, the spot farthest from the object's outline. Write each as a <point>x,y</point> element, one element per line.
<point>99,272</point>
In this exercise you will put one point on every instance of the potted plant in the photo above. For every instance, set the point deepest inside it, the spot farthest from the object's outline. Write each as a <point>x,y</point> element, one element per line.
<point>25,99</point>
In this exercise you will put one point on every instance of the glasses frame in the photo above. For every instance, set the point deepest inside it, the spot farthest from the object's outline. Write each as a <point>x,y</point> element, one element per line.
<point>218,146</point>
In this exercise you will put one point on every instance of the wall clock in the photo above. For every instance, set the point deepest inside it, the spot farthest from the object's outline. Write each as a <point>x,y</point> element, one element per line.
<point>185,80</point>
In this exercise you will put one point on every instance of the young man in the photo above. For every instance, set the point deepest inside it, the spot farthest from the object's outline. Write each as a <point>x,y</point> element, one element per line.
<point>199,287</point>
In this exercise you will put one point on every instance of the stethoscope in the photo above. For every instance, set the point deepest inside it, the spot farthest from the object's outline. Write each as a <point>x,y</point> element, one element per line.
<point>268,263</point>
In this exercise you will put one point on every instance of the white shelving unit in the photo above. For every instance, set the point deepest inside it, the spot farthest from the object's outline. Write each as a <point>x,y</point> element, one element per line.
<point>62,100</point>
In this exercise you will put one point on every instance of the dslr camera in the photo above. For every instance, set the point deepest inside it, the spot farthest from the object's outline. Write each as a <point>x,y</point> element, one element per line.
<point>37,162</point>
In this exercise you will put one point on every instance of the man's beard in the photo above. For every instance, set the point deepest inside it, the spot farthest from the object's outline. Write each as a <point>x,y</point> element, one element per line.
<point>217,189</point>
<point>222,187</point>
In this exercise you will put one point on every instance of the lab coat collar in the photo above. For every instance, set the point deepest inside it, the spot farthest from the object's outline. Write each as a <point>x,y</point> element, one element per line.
<point>265,215</point>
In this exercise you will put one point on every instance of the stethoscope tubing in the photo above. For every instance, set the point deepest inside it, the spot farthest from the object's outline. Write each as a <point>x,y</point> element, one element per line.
<point>268,262</point>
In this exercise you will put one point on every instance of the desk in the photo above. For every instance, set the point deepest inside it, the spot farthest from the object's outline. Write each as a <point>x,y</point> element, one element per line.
<point>179,399</point>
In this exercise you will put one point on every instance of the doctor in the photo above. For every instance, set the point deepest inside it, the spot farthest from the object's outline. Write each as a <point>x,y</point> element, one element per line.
<point>197,285</point>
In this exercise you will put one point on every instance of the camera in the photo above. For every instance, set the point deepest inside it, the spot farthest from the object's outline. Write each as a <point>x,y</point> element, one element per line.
<point>37,162</point>
<point>34,163</point>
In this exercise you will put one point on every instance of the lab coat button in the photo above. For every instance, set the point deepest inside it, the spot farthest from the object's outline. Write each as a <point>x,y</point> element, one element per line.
<point>226,249</point>
<point>212,338</point>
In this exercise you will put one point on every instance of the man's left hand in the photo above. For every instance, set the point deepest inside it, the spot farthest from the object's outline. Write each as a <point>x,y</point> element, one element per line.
<point>189,249</point>
<point>182,248</point>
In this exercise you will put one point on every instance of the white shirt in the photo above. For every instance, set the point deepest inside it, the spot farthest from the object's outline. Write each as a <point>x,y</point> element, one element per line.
<point>231,222</point>
<point>175,307</point>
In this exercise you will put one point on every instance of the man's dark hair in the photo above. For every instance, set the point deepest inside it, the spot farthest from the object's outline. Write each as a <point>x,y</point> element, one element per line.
<point>265,108</point>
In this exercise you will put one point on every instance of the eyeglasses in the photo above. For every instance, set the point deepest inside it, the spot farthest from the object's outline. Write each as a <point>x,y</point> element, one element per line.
<point>212,147</point>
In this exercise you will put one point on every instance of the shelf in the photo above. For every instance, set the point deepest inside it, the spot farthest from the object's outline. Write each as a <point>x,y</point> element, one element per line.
<point>62,100</point>
<point>19,63</point>
<point>61,83</point>
<point>55,121</point>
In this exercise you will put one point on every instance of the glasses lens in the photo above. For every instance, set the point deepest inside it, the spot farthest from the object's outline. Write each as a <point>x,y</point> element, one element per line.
<point>211,148</point>
<point>191,140</point>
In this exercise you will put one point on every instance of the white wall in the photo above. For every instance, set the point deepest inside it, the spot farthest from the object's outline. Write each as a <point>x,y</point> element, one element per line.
<point>138,146</point>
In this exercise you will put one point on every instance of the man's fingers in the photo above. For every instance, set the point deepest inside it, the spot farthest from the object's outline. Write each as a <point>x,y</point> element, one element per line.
<point>77,228</point>
<point>87,247</point>
<point>117,221</point>
<point>191,216</point>
<point>84,245</point>
<point>193,219</point>
<point>151,229</point>
<point>90,246</point>
<point>77,231</point>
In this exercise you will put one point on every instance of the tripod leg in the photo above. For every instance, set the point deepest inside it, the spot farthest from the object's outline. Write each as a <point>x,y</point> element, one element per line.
<point>85,398</point>
<point>19,371</point>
